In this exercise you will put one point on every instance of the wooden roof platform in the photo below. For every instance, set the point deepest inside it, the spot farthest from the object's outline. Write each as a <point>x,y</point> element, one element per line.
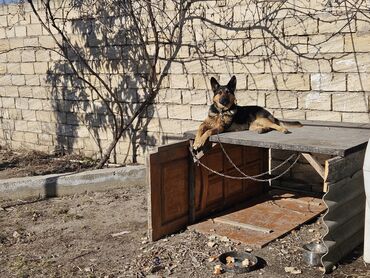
<point>330,138</point>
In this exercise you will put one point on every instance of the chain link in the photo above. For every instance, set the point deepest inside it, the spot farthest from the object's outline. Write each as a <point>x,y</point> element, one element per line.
<point>245,176</point>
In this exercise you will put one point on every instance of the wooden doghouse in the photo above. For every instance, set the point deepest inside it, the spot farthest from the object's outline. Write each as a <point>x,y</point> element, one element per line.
<point>184,194</point>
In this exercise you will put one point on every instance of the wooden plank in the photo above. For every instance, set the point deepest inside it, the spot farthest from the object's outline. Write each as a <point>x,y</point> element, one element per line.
<point>270,212</point>
<point>315,164</point>
<point>242,225</point>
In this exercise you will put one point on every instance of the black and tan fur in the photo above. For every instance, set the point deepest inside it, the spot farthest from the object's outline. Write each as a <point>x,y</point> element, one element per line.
<point>224,115</point>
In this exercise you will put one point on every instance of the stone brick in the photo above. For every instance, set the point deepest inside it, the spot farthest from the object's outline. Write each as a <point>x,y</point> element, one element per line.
<point>42,56</point>
<point>323,116</point>
<point>169,96</point>
<point>261,82</point>
<point>43,116</point>
<point>316,65</point>
<point>18,136</point>
<point>164,125</point>
<point>18,80</point>
<point>41,67</point>
<point>246,97</point>
<point>25,92</point>
<point>28,115</point>
<point>45,139</point>
<point>199,112</point>
<point>34,30</point>
<point>293,82</point>
<point>20,31</point>
<point>356,117</point>
<point>359,82</point>
<point>28,56</point>
<point>47,41</point>
<point>13,68</point>
<point>32,80</point>
<point>9,91</point>
<point>157,111</point>
<point>20,125</point>
<point>21,103</point>
<point>8,102</point>
<point>281,100</point>
<point>30,137</point>
<point>289,114</point>
<point>31,42</point>
<point>328,82</point>
<point>189,125</point>
<point>358,62</point>
<point>181,81</point>
<point>250,64</point>
<point>27,68</point>
<point>357,42</point>
<point>14,56</point>
<point>326,44</point>
<point>350,102</point>
<point>15,42</point>
<point>202,82</point>
<point>35,104</point>
<point>179,111</point>
<point>196,97</point>
<point>314,101</point>
<point>300,26</point>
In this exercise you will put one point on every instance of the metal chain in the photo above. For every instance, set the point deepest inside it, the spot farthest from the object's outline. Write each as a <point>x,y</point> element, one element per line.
<point>245,176</point>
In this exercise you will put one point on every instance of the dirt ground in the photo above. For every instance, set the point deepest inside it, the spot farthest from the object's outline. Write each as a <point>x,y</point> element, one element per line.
<point>77,236</point>
<point>34,163</point>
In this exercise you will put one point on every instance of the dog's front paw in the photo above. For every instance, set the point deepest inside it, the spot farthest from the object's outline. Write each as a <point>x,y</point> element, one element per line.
<point>197,144</point>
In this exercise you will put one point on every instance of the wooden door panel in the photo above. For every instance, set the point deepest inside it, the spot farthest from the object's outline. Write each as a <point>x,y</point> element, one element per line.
<point>168,181</point>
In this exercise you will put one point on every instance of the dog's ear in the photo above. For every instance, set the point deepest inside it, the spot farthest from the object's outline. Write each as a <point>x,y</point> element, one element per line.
<point>214,84</point>
<point>232,84</point>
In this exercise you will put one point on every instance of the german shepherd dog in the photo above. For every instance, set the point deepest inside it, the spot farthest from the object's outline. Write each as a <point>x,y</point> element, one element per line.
<point>224,115</point>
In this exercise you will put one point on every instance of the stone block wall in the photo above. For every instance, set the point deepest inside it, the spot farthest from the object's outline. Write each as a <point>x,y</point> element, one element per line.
<point>299,59</point>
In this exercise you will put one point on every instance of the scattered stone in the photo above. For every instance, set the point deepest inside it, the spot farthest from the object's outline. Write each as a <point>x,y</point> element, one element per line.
<point>246,263</point>
<point>88,269</point>
<point>230,260</point>
<point>248,249</point>
<point>212,237</point>
<point>16,234</point>
<point>211,244</point>
<point>224,239</point>
<point>311,230</point>
<point>292,270</point>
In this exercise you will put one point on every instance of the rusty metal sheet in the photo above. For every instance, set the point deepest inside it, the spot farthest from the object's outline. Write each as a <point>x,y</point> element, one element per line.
<point>277,211</point>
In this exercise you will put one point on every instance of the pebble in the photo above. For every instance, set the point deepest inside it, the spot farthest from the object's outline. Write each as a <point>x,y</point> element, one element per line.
<point>211,244</point>
<point>248,249</point>
<point>224,239</point>
<point>292,270</point>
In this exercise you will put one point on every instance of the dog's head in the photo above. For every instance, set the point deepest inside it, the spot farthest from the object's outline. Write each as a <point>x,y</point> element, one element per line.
<point>224,96</point>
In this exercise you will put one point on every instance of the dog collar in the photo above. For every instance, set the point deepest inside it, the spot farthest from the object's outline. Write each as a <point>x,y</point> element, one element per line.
<point>215,111</point>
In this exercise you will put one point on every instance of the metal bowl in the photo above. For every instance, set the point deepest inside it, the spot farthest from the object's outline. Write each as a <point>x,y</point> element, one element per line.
<point>237,266</point>
<point>313,252</point>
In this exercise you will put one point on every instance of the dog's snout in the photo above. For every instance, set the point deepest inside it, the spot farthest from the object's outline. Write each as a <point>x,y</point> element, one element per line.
<point>224,101</point>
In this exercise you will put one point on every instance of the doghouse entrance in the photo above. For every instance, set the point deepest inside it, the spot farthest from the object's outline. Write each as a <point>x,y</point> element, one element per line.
<point>182,194</point>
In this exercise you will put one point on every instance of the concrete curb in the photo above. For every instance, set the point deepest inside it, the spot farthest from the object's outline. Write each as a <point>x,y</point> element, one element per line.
<point>70,183</point>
